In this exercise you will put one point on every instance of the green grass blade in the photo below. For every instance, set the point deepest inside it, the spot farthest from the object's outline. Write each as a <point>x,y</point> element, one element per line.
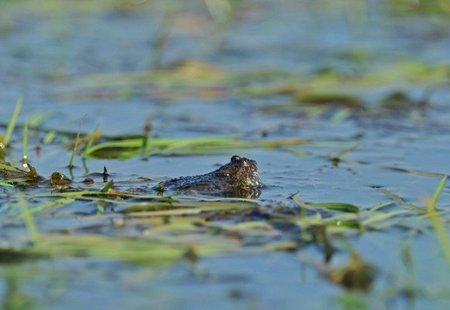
<point>437,221</point>
<point>336,206</point>
<point>13,121</point>
<point>437,193</point>
<point>6,184</point>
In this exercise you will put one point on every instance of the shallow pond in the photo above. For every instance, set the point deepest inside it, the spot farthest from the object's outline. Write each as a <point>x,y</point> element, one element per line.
<point>344,107</point>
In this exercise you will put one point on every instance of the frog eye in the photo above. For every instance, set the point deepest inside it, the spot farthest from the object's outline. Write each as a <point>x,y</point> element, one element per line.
<point>235,159</point>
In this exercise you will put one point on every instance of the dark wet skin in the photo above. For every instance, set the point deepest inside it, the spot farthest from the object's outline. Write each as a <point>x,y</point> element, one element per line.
<point>238,178</point>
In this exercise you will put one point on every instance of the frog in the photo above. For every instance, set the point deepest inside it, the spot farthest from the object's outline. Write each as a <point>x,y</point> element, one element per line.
<point>238,178</point>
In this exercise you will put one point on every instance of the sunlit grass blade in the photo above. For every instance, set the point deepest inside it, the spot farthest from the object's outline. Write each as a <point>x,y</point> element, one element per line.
<point>13,121</point>
<point>437,221</point>
<point>437,194</point>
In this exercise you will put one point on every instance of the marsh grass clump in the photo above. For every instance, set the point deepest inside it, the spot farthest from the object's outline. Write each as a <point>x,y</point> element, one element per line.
<point>18,176</point>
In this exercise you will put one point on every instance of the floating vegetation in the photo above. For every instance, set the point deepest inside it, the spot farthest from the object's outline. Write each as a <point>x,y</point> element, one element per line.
<point>324,92</point>
<point>127,148</point>
<point>336,100</point>
<point>188,78</point>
